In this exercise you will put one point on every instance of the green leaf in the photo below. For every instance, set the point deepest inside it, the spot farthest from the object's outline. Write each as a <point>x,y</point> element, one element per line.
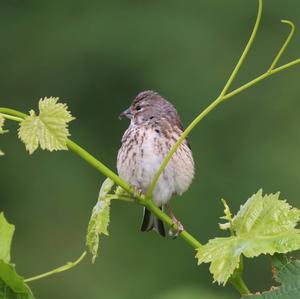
<point>227,216</point>
<point>49,129</point>
<point>11,284</point>
<point>287,273</point>
<point>224,256</point>
<point>264,225</point>
<point>6,235</point>
<point>265,213</point>
<point>267,225</point>
<point>99,220</point>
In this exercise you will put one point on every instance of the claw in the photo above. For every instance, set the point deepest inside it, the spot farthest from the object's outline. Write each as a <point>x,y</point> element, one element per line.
<point>174,233</point>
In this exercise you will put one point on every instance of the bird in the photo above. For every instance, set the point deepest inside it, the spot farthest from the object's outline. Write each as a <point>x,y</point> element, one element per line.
<point>154,128</point>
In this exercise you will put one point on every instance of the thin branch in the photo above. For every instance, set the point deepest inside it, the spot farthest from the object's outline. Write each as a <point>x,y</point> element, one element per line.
<point>190,127</point>
<point>246,50</point>
<point>212,106</point>
<point>12,112</point>
<point>239,284</point>
<point>192,241</point>
<point>223,97</point>
<point>260,78</point>
<point>85,155</point>
<point>285,66</point>
<point>10,117</point>
<point>97,164</point>
<point>236,281</point>
<point>284,46</point>
<point>57,270</point>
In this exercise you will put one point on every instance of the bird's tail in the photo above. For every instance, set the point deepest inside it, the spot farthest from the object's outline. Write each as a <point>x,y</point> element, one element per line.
<point>150,222</point>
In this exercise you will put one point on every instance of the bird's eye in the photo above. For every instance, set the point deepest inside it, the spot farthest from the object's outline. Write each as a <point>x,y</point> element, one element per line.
<point>138,108</point>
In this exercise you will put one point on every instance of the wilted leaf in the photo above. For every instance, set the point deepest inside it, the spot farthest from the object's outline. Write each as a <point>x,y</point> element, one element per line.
<point>264,225</point>
<point>49,129</point>
<point>99,220</point>
<point>287,273</point>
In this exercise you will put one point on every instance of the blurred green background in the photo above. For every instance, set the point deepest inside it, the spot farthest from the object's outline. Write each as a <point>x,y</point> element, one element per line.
<point>96,56</point>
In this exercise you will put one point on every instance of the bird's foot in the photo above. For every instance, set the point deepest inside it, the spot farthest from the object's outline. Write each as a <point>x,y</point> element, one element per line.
<point>177,226</point>
<point>174,233</point>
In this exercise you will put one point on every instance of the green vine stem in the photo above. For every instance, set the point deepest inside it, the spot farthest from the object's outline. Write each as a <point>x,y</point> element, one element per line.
<point>57,270</point>
<point>246,50</point>
<point>239,284</point>
<point>236,280</point>
<point>90,159</point>
<point>140,199</point>
<point>224,95</point>
<point>284,46</point>
<point>15,115</point>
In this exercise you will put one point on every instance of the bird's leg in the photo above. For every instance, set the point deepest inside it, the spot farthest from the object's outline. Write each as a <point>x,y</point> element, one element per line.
<point>176,222</point>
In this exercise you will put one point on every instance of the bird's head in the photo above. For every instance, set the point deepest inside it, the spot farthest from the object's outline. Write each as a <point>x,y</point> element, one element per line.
<point>149,106</point>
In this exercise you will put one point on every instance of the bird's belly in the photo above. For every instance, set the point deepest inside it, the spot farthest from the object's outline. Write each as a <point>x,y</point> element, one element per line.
<point>140,165</point>
<point>141,156</point>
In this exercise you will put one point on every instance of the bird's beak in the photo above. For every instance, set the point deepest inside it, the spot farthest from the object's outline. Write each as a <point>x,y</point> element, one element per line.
<point>126,113</point>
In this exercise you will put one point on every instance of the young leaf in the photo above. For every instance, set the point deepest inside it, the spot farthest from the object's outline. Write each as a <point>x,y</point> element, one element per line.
<point>267,225</point>
<point>49,129</point>
<point>6,235</point>
<point>227,216</point>
<point>224,256</point>
<point>99,220</point>
<point>287,273</point>
<point>264,225</point>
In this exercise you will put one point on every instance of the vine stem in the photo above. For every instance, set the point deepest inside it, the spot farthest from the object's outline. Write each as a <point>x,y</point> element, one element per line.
<point>240,285</point>
<point>85,155</point>
<point>10,117</point>
<point>284,46</point>
<point>236,280</point>
<point>224,95</point>
<point>246,50</point>
<point>140,199</point>
<point>90,159</point>
<point>57,270</point>
<point>213,105</point>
